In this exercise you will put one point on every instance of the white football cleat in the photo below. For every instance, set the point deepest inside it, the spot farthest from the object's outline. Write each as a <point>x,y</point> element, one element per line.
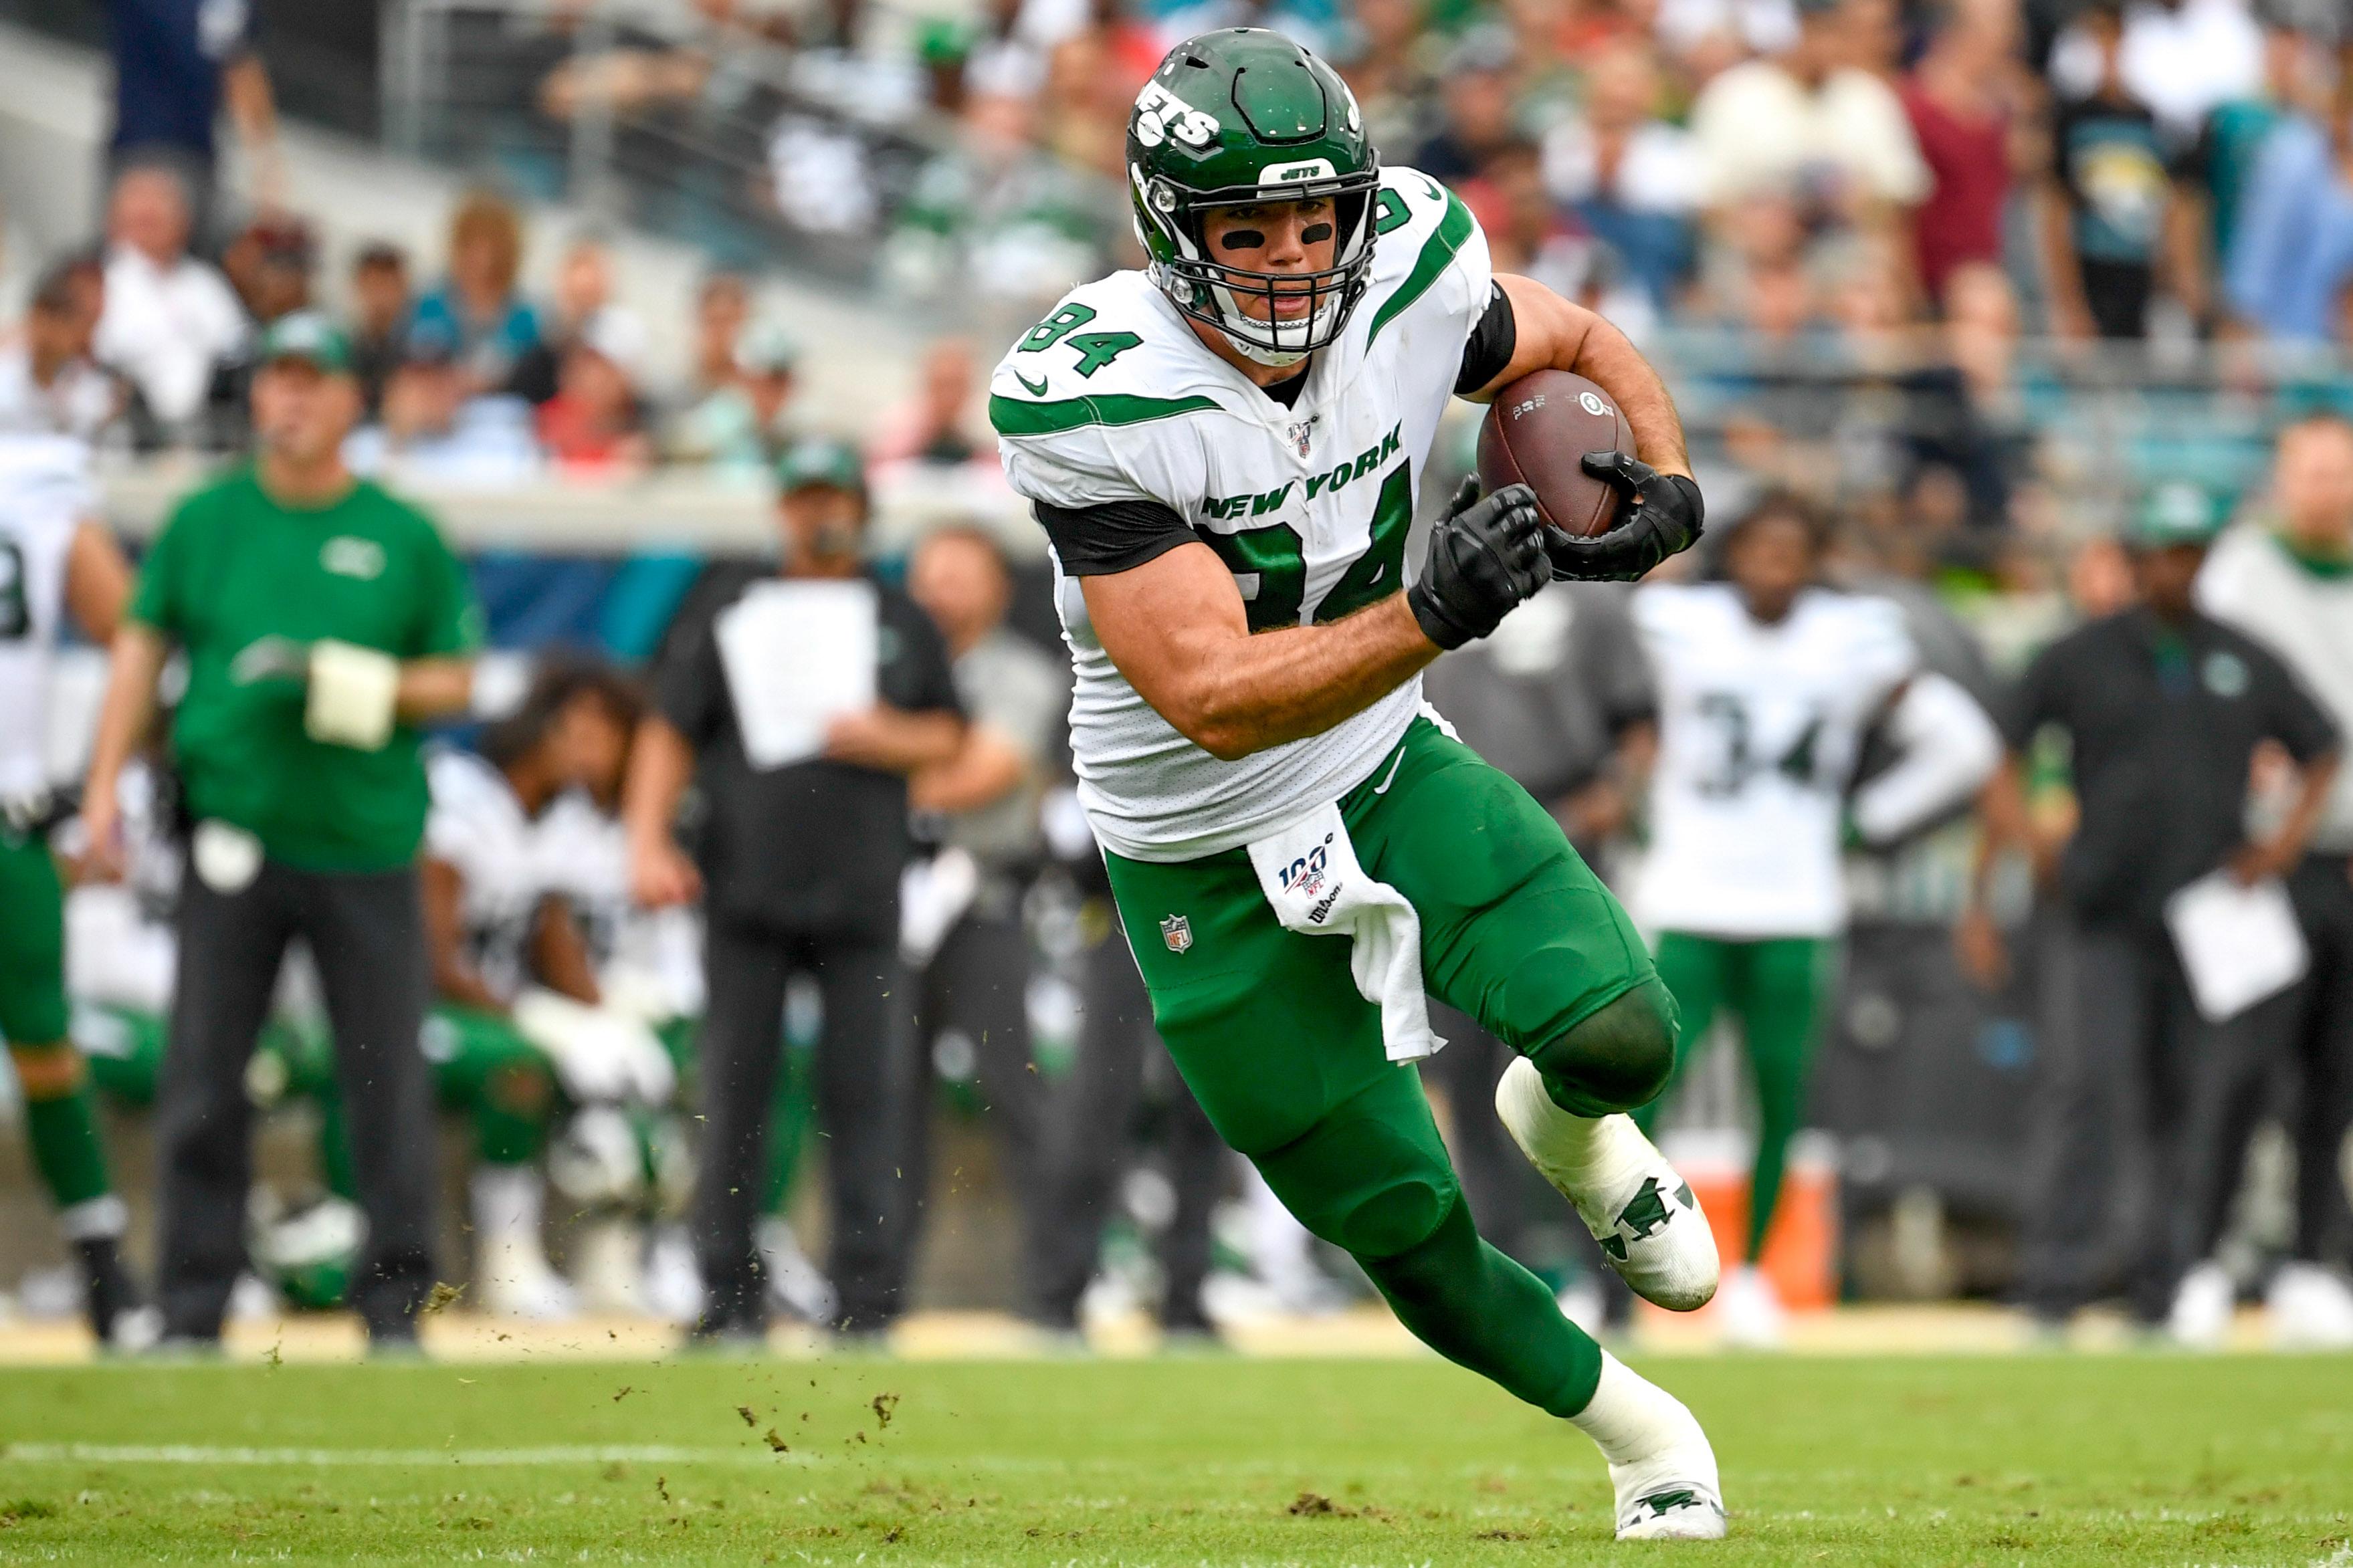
<point>1649,1225</point>
<point>1661,1464</point>
<point>2202,1303</point>
<point>1749,1311</point>
<point>2311,1309</point>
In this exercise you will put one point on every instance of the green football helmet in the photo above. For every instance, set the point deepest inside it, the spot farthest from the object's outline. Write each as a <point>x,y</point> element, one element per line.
<point>1243,115</point>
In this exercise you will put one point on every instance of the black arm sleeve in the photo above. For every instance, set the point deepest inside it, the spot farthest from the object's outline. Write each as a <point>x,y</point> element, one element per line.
<point>1117,536</point>
<point>1490,346</point>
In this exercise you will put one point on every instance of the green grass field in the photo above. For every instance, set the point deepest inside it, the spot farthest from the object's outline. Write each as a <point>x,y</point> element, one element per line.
<point>2098,1459</point>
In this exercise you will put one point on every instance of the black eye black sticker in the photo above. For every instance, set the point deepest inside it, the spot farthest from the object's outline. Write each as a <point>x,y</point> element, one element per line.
<point>1315,233</point>
<point>1242,239</point>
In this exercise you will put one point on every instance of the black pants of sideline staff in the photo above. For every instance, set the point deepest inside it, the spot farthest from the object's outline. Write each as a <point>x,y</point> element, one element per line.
<point>866,1081</point>
<point>366,935</point>
<point>1118,1052</point>
<point>2303,1036</point>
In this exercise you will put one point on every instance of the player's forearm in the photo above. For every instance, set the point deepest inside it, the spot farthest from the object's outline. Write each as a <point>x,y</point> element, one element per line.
<point>660,763</point>
<point>2001,822</point>
<point>137,658</point>
<point>2312,800</point>
<point>559,956</point>
<point>1608,359</point>
<point>1247,693</point>
<point>434,688</point>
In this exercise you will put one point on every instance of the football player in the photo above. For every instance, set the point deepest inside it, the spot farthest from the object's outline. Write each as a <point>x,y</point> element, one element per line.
<point>54,562</point>
<point>1767,684</point>
<point>1225,449</point>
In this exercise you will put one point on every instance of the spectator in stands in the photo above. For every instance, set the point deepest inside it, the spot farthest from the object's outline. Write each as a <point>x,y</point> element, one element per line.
<point>379,322</point>
<point>1809,125</point>
<point>595,424</point>
<point>936,424</point>
<point>2294,253</point>
<point>269,265</point>
<point>995,219</point>
<point>2287,582</point>
<point>321,622</point>
<point>1959,99</point>
<point>477,304</point>
<point>741,425</point>
<point>583,293</point>
<point>170,319</point>
<point>435,429</point>
<point>798,866</point>
<point>2182,58</point>
<point>1478,108</point>
<point>975,987</point>
<point>2110,219</point>
<point>1632,176</point>
<point>723,308</point>
<point>2163,709</point>
<point>1385,60</point>
<point>49,384</point>
<point>2231,144</point>
<point>176,62</point>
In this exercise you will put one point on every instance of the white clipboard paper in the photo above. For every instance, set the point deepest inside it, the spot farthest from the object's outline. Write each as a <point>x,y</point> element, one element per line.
<point>798,654</point>
<point>2238,945</point>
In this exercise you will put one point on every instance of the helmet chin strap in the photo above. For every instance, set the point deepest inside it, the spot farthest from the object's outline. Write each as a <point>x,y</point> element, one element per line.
<point>1258,355</point>
<point>1229,310</point>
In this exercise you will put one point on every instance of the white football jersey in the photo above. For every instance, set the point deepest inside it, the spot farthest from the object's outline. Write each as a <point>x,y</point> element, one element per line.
<point>1113,399</point>
<point>45,493</point>
<point>1759,728</point>
<point>477,825</point>
<point>653,956</point>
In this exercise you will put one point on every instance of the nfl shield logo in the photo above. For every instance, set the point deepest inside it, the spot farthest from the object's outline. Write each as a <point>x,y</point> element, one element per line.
<point>1178,932</point>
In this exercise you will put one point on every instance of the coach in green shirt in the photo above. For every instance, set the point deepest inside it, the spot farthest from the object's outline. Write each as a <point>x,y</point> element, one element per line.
<point>321,620</point>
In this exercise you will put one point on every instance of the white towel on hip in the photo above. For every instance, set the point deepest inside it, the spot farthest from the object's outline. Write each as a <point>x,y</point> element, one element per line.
<point>1309,873</point>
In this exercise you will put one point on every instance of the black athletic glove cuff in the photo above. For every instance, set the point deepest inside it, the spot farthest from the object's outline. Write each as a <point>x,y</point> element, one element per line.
<point>1433,619</point>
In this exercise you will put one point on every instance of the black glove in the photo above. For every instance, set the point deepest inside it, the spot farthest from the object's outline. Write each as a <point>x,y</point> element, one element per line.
<point>1485,557</point>
<point>1663,516</point>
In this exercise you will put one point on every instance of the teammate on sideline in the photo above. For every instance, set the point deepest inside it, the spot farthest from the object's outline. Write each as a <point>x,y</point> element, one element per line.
<point>1767,684</point>
<point>1224,450</point>
<point>54,562</point>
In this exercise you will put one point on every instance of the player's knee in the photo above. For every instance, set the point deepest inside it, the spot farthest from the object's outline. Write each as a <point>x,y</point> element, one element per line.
<point>46,1072</point>
<point>1397,1218</point>
<point>1615,1059</point>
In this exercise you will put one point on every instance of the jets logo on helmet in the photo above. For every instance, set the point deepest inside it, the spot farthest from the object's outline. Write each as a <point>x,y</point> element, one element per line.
<point>1160,114</point>
<point>1245,117</point>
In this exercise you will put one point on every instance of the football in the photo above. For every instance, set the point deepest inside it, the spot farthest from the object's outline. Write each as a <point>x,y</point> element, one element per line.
<point>1537,432</point>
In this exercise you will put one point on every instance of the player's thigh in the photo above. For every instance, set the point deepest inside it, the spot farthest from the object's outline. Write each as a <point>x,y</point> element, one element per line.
<point>480,1061</point>
<point>1265,1025</point>
<point>1371,1176</point>
<point>1516,930</point>
<point>32,946</point>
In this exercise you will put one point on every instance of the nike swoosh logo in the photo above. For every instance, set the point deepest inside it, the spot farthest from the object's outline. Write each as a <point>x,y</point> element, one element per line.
<point>1383,787</point>
<point>1036,389</point>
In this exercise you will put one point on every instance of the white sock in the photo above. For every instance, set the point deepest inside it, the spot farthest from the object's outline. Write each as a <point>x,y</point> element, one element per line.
<point>1631,1418</point>
<point>1573,1145</point>
<point>507,1203</point>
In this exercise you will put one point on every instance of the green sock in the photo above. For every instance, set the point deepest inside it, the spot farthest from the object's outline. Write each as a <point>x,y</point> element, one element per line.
<point>1481,1310</point>
<point>63,1132</point>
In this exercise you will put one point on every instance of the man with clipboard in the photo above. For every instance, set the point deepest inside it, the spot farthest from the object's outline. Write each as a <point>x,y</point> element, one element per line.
<point>797,699</point>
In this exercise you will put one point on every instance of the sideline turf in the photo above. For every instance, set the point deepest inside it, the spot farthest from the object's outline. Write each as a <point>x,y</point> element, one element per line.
<point>2106,1460</point>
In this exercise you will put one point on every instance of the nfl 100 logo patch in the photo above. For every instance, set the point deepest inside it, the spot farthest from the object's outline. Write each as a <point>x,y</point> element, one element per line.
<point>1178,932</point>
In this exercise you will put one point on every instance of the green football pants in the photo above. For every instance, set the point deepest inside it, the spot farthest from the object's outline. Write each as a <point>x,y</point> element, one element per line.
<point>1776,987</point>
<point>1286,1058</point>
<point>60,1121</point>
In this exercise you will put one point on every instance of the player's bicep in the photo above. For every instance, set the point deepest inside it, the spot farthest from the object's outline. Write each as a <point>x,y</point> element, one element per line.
<point>1161,622</point>
<point>1546,331</point>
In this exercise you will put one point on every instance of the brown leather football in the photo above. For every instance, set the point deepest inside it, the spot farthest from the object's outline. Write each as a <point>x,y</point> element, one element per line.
<point>1536,433</point>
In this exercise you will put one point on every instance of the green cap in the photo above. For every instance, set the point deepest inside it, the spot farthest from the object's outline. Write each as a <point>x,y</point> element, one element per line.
<point>2175,513</point>
<point>821,460</point>
<point>305,335</point>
